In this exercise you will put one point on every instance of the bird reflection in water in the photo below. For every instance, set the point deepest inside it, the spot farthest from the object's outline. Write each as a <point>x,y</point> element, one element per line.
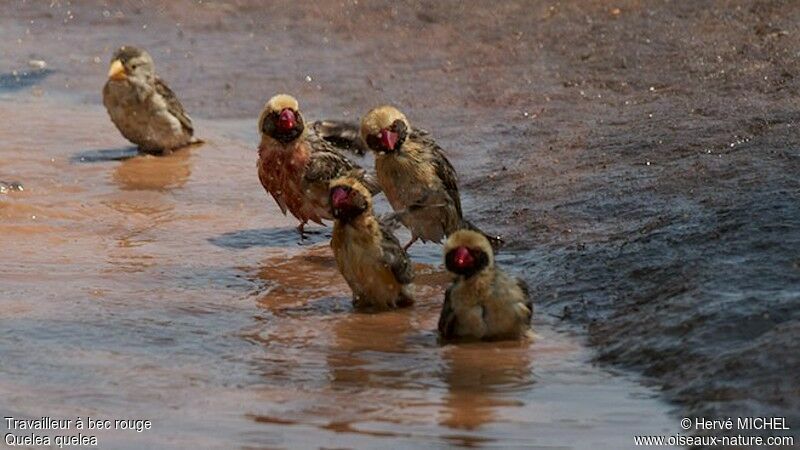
<point>150,173</point>
<point>374,373</point>
<point>301,282</point>
<point>144,207</point>
<point>481,378</point>
<point>366,349</point>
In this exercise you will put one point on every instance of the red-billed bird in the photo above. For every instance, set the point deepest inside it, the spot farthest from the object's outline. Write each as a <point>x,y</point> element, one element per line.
<point>368,255</point>
<point>483,302</point>
<point>416,177</point>
<point>296,164</point>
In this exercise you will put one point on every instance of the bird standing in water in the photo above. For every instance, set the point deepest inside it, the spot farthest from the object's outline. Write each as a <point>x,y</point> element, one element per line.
<point>296,164</point>
<point>368,255</point>
<point>483,302</point>
<point>416,177</point>
<point>142,106</point>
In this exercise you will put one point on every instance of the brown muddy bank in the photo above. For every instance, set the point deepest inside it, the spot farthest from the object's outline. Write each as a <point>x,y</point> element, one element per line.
<point>641,157</point>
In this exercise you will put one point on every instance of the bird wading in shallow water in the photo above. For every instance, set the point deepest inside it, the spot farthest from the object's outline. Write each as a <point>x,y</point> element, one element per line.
<point>368,255</point>
<point>483,302</point>
<point>416,177</point>
<point>296,164</point>
<point>143,107</point>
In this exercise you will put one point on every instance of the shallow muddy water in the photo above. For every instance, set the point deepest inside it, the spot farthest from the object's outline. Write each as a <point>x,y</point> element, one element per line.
<point>171,289</point>
<point>640,158</point>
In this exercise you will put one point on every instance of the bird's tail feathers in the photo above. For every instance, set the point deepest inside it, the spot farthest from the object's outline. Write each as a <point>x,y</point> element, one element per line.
<point>396,218</point>
<point>343,135</point>
<point>392,220</point>
<point>438,201</point>
<point>496,241</point>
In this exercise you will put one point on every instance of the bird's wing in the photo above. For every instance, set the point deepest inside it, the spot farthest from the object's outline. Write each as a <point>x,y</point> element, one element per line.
<point>391,220</point>
<point>327,165</point>
<point>395,257</point>
<point>444,170</point>
<point>341,135</point>
<point>280,202</point>
<point>332,136</point>
<point>448,322</point>
<point>278,199</point>
<point>420,133</point>
<point>174,106</point>
<point>526,293</point>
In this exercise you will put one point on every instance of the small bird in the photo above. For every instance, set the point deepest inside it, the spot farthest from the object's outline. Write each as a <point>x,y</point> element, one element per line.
<point>416,177</point>
<point>483,302</point>
<point>368,255</point>
<point>142,106</point>
<point>297,164</point>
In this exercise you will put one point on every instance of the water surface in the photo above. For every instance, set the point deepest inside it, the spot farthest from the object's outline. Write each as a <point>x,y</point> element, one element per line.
<point>171,289</point>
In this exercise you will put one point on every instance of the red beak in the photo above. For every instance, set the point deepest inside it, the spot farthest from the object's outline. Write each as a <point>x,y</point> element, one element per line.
<point>287,120</point>
<point>388,139</point>
<point>462,258</point>
<point>339,198</point>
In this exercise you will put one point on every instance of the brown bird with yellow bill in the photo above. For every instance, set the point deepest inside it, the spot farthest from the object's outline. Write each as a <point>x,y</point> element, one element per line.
<point>368,255</point>
<point>142,106</point>
<point>296,164</point>
<point>483,302</point>
<point>416,177</point>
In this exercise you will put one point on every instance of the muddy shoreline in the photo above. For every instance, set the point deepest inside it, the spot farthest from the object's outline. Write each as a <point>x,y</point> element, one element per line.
<point>641,158</point>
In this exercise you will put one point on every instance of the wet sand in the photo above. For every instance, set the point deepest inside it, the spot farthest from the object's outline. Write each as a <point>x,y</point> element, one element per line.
<point>641,158</point>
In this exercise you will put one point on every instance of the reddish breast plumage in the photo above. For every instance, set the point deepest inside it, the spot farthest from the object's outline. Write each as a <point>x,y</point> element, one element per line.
<point>281,171</point>
<point>297,161</point>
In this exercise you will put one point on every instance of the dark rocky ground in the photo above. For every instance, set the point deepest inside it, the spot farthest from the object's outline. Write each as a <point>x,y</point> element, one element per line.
<point>642,156</point>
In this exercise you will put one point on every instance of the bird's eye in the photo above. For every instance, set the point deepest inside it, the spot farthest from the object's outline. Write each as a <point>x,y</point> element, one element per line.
<point>398,126</point>
<point>374,141</point>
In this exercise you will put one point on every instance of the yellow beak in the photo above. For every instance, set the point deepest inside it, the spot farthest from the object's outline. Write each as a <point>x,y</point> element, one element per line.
<point>117,71</point>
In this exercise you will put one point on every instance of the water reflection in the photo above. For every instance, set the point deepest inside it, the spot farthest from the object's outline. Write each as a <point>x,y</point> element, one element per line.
<point>481,378</point>
<point>366,348</point>
<point>270,237</point>
<point>144,217</point>
<point>150,173</point>
<point>303,283</point>
<point>160,323</point>
<point>143,207</point>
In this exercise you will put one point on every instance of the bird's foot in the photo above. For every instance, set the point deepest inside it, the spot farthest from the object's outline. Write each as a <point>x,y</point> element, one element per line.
<point>306,233</point>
